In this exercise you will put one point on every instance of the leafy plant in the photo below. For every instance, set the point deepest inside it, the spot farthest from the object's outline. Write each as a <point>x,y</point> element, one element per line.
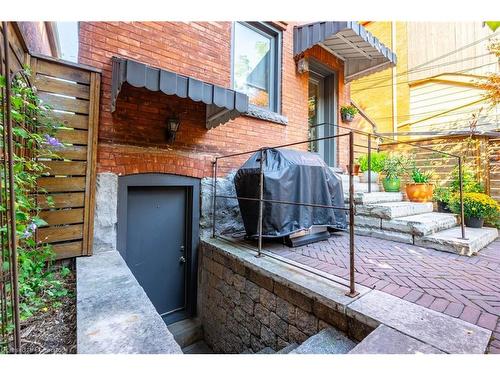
<point>33,130</point>
<point>420,177</point>
<point>476,205</point>
<point>395,165</point>
<point>349,110</point>
<point>377,162</point>
<point>469,181</point>
<point>442,194</point>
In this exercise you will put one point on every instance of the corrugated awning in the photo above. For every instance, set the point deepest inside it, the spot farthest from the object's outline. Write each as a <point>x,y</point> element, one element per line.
<point>222,104</point>
<point>363,54</point>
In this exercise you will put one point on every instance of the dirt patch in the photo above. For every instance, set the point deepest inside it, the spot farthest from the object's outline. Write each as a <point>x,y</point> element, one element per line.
<point>53,331</point>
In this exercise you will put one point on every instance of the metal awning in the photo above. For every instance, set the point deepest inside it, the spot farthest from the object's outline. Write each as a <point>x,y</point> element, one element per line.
<point>222,104</point>
<point>363,54</point>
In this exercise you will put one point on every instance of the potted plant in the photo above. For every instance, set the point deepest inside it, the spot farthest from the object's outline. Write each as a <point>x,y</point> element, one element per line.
<point>377,163</point>
<point>355,169</point>
<point>420,190</point>
<point>477,207</point>
<point>348,112</point>
<point>394,166</point>
<point>442,196</point>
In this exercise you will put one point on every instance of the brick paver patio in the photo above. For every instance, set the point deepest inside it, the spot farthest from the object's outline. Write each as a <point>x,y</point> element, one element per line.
<point>467,288</point>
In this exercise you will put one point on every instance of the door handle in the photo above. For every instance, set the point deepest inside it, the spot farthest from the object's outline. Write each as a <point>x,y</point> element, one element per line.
<point>182,260</point>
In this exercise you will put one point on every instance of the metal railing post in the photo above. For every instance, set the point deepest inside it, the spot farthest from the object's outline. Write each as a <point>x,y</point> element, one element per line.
<point>261,202</point>
<point>214,197</point>
<point>461,190</point>
<point>369,163</point>
<point>352,284</point>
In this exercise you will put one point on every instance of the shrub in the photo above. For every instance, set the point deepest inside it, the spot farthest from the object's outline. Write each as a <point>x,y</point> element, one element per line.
<point>476,205</point>
<point>395,165</point>
<point>470,184</point>
<point>377,162</point>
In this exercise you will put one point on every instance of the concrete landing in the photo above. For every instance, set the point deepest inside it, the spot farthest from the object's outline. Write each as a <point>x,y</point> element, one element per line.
<point>328,341</point>
<point>186,332</point>
<point>450,240</point>
<point>391,210</point>
<point>288,349</point>
<point>114,314</point>
<point>385,340</point>
<point>199,347</point>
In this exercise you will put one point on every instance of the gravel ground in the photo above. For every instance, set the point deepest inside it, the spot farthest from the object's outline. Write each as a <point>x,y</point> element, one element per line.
<point>53,331</point>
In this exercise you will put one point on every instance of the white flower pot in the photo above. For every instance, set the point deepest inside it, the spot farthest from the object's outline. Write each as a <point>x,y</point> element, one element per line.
<point>374,177</point>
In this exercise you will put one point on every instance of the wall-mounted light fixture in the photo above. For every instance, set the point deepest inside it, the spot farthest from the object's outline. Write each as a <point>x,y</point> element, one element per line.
<point>173,124</point>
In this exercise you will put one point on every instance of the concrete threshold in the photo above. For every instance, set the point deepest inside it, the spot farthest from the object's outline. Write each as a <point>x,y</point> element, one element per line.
<point>435,332</point>
<point>114,314</point>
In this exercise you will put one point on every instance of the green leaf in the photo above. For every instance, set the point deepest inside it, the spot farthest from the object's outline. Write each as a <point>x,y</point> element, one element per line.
<point>493,25</point>
<point>39,222</point>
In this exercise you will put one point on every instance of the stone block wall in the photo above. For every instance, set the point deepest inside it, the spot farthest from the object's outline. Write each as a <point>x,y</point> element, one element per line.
<point>242,310</point>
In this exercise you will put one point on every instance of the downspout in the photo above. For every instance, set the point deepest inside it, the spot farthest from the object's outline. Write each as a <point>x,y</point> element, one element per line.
<point>394,84</point>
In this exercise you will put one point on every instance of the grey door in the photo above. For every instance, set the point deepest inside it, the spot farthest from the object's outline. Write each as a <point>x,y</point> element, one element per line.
<point>155,245</point>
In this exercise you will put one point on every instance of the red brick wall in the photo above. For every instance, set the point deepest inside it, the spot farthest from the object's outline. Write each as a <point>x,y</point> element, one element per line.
<point>132,140</point>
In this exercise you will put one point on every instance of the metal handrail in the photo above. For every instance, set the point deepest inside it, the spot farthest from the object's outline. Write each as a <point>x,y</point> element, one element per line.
<point>458,157</point>
<point>352,285</point>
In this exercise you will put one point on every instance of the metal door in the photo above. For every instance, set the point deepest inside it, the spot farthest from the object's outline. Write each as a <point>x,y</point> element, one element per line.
<point>155,250</point>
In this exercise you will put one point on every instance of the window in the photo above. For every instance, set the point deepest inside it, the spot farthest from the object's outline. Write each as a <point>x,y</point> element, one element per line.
<point>256,63</point>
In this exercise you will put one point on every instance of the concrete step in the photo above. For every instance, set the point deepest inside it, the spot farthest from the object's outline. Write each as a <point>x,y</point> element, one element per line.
<point>391,210</point>
<point>199,347</point>
<point>386,340</point>
<point>289,348</point>
<point>421,225</point>
<point>186,332</point>
<point>359,187</point>
<point>345,179</point>
<point>328,341</point>
<point>450,240</point>
<point>377,197</point>
<point>266,350</point>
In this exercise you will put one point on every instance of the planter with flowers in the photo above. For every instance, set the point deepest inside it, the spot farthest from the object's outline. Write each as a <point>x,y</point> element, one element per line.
<point>348,112</point>
<point>477,208</point>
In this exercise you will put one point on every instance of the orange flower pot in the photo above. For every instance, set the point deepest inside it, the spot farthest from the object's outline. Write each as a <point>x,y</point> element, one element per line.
<point>419,192</point>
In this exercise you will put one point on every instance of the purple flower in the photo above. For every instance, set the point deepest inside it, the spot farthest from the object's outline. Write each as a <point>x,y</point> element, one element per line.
<point>32,227</point>
<point>27,233</point>
<point>52,141</point>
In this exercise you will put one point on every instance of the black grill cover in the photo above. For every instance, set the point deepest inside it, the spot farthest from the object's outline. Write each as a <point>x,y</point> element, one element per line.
<point>293,176</point>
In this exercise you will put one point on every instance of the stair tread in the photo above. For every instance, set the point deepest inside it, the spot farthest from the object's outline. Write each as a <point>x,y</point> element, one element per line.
<point>377,197</point>
<point>287,349</point>
<point>450,240</point>
<point>391,210</point>
<point>266,350</point>
<point>328,341</point>
<point>421,224</point>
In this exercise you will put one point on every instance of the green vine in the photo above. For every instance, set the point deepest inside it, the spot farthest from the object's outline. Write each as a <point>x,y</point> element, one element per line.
<point>40,285</point>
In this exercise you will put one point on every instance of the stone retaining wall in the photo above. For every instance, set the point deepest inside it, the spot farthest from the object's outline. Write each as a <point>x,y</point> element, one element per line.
<point>245,310</point>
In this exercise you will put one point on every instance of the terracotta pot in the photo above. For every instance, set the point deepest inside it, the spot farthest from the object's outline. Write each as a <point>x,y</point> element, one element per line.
<point>474,222</point>
<point>419,192</point>
<point>355,169</point>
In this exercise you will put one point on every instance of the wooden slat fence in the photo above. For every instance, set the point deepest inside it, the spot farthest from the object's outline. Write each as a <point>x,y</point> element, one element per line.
<point>73,93</point>
<point>481,155</point>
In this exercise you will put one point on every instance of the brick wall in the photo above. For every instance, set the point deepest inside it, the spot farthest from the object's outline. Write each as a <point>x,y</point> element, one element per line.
<point>132,140</point>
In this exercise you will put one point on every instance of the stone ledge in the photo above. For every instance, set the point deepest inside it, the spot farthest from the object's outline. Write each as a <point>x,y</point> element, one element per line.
<point>385,340</point>
<point>443,332</point>
<point>114,314</point>
<point>263,114</point>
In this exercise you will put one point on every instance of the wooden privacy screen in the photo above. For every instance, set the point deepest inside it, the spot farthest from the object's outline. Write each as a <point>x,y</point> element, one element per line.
<point>73,92</point>
<point>494,159</point>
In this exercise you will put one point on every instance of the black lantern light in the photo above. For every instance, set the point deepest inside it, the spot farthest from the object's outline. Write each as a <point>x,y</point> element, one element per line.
<point>173,124</point>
